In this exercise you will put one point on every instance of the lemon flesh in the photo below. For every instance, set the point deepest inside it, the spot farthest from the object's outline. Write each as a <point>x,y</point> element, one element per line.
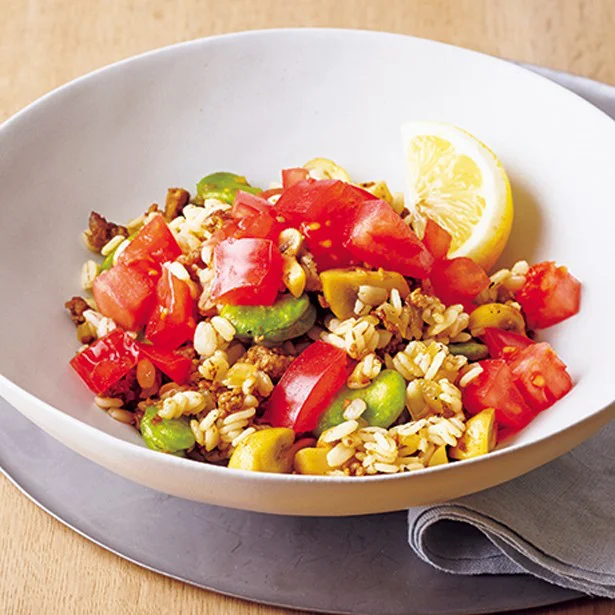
<point>458,182</point>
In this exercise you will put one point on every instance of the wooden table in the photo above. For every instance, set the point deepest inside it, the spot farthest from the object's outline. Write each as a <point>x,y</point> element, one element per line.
<point>47,568</point>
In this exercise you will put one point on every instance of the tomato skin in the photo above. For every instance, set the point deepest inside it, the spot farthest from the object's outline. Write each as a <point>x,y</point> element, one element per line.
<point>550,295</point>
<point>246,204</point>
<point>106,361</point>
<point>267,194</point>
<point>380,238</point>
<point>173,319</point>
<point>258,227</point>
<point>458,280</point>
<point>322,210</point>
<point>290,177</point>
<point>495,388</point>
<point>541,376</point>
<point>307,388</point>
<point>175,365</point>
<point>153,245</point>
<point>436,239</point>
<point>504,344</point>
<point>246,272</point>
<point>126,295</point>
<point>254,217</point>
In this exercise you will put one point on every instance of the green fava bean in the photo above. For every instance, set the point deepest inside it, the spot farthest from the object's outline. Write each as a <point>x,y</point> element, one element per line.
<point>385,398</point>
<point>287,318</point>
<point>224,186</point>
<point>473,351</point>
<point>166,435</point>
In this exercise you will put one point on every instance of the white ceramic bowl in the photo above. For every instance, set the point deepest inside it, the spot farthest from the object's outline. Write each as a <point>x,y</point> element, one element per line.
<point>255,102</point>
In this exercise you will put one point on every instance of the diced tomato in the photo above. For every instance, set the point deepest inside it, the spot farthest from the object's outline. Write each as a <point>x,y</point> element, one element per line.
<point>173,319</point>
<point>540,375</point>
<point>550,294</point>
<point>126,295</point>
<point>153,245</point>
<point>307,387</point>
<point>504,344</point>
<point>380,238</point>
<point>495,388</point>
<point>290,177</point>
<point>106,361</point>
<point>458,280</point>
<point>259,227</point>
<point>267,194</point>
<point>436,239</point>
<point>246,272</point>
<point>323,211</point>
<point>246,204</point>
<point>254,217</point>
<point>175,365</point>
<point>320,209</point>
<point>228,230</point>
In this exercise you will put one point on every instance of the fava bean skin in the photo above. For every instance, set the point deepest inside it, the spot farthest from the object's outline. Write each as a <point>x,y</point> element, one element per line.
<point>385,398</point>
<point>473,351</point>
<point>166,435</point>
<point>224,186</point>
<point>287,318</point>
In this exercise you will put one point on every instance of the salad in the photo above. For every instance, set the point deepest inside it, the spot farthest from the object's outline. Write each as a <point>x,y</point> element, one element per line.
<point>323,326</point>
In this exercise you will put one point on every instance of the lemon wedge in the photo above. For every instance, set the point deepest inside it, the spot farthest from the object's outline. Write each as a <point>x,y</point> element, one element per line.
<point>458,182</point>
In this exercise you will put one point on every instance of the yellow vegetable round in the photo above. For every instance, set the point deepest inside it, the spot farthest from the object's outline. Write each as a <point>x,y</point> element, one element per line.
<point>268,450</point>
<point>312,461</point>
<point>497,316</point>
<point>478,439</point>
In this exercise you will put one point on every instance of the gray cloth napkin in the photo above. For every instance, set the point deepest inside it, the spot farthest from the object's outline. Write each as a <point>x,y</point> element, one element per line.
<point>557,522</point>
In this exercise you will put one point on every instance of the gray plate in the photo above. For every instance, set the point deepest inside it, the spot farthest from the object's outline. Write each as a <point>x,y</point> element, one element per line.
<point>347,565</point>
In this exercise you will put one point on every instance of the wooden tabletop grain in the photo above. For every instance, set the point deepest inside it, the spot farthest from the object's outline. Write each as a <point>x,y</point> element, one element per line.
<point>46,568</point>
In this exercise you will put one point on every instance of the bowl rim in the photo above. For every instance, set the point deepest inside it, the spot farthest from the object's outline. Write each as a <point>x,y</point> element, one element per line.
<point>153,456</point>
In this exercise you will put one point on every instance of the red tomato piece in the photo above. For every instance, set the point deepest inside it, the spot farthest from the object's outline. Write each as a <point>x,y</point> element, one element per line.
<point>380,238</point>
<point>246,272</point>
<point>153,245</point>
<point>323,211</point>
<point>173,319</point>
<point>550,294</point>
<point>436,239</point>
<point>290,177</point>
<point>458,280</point>
<point>259,227</point>
<point>267,194</point>
<point>175,365</point>
<point>540,375</point>
<point>504,344</point>
<point>254,217</point>
<point>317,200</point>
<point>495,388</point>
<point>307,387</point>
<point>126,295</point>
<point>106,361</point>
<point>246,204</point>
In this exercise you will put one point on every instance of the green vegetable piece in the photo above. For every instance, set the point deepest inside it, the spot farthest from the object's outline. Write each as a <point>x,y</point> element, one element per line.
<point>385,398</point>
<point>165,435</point>
<point>224,186</point>
<point>473,351</point>
<point>287,318</point>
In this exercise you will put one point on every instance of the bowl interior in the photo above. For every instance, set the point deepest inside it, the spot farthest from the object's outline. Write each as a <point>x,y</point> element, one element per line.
<point>255,103</point>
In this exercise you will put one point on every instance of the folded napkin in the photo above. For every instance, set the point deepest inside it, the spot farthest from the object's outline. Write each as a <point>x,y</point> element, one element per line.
<point>557,522</point>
